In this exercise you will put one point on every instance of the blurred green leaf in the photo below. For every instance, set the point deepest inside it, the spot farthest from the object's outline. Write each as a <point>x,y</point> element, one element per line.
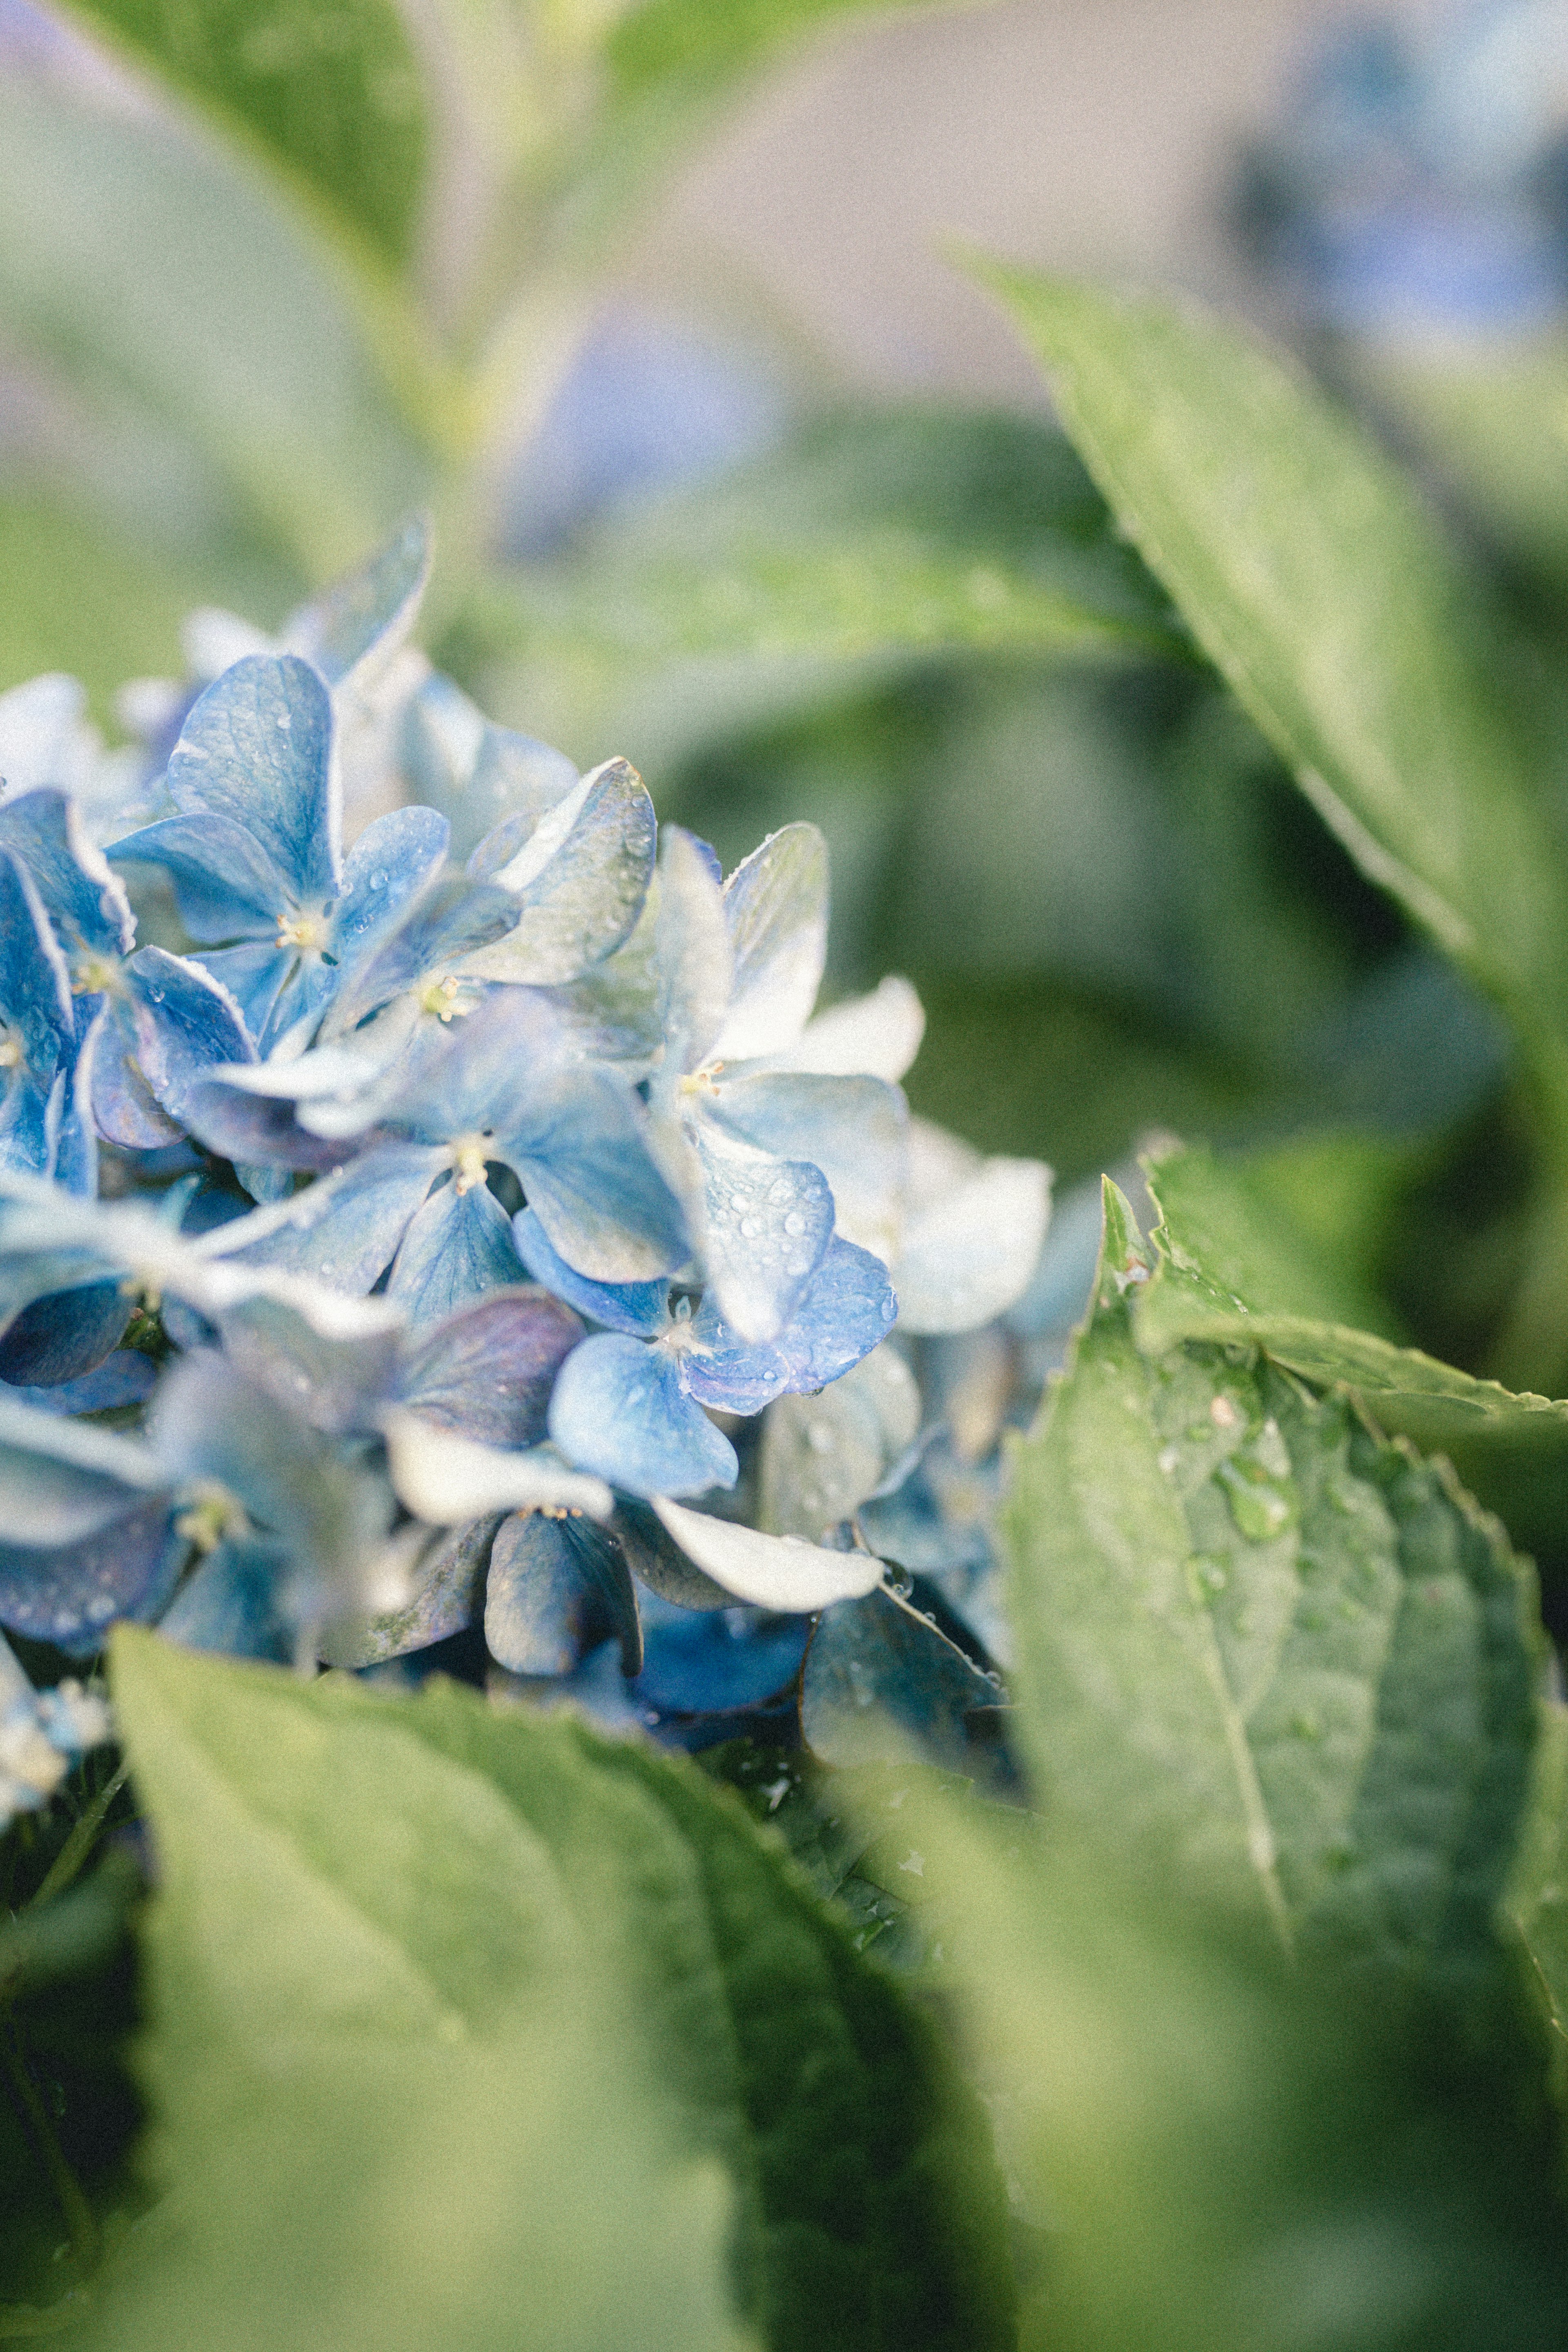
<point>408,1888</point>
<point>1538,1894</point>
<point>333,94</point>
<point>1250,1642</point>
<point>868,544</point>
<point>1315,580</point>
<point>158,286</point>
<point>77,597</point>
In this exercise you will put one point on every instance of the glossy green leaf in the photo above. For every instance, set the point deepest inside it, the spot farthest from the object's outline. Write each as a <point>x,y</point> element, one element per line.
<point>1256,1639</point>
<point>420,1881</point>
<point>868,544</point>
<point>333,95</point>
<point>1324,592</point>
<point>163,291</point>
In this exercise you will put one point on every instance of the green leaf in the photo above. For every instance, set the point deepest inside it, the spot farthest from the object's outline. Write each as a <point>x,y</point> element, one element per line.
<point>182,311</point>
<point>1313,578</point>
<point>332,95</point>
<point>869,544</point>
<point>1217,1280</point>
<point>421,1883</point>
<point>1538,1894</point>
<point>76,597</point>
<point>1290,1657</point>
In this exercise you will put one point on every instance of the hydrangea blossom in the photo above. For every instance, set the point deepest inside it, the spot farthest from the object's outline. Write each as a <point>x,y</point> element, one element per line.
<point>469,1232</point>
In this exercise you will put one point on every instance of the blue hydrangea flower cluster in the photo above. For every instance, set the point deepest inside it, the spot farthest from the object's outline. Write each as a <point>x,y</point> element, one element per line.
<point>435,1222</point>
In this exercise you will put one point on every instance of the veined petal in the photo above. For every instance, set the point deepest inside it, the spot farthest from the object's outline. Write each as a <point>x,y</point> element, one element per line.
<point>855,1130</point>
<point>353,629</point>
<point>639,1308</point>
<point>345,1229</point>
<point>226,883</point>
<point>556,1589</point>
<point>775,906</point>
<point>876,1036</point>
<point>71,1593</point>
<point>187,1026</point>
<point>458,1247</point>
<point>620,1409</point>
<point>783,1572</point>
<point>766,1223</point>
<point>123,1104</point>
<point>465,1079</point>
<point>696,962</point>
<point>393,860</point>
<point>576,1139</point>
<point>85,899</point>
<point>257,747</point>
<point>440,927</point>
<point>969,1255</point>
<point>582,878</point>
<point>447,1480</point>
<point>488,1370</point>
<point>846,1309</point>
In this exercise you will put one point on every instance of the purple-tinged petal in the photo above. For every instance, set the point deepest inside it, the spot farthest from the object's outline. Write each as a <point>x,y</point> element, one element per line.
<point>488,1370</point>
<point>847,1309</point>
<point>71,1594</point>
<point>345,1229</point>
<point>556,1588</point>
<point>257,747</point>
<point>641,1309</point>
<point>620,1409</point>
<point>775,906</point>
<point>234,1604</point>
<point>227,884</point>
<point>458,1247</point>
<point>85,899</point>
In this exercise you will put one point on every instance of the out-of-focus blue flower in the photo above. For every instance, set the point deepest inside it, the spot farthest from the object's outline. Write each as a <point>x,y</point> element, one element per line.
<point>628,1402</point>
<point>42,1734</point>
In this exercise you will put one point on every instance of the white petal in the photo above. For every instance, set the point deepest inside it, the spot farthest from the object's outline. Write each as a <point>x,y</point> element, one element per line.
<point>445,1479</point>
<point>873,1036</point>
<point>782,1572</point>
<point>969,1255</point>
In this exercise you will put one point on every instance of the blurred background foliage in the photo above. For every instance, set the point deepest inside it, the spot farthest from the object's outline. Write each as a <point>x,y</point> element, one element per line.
<point>734,471</point>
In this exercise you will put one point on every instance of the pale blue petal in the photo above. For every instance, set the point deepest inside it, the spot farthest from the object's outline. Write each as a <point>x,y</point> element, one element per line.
<point>554,1590</point>
<point>255,976</point>
<point>855,1130</point>
<point>766,1224</point>
<point>696,964</point>
<point>76,1147</point>
<point>345,1229</point>
<point>639,1308</point>
<point>576,1142</point>
<point>488,1370</point>
<point>187,1026</point>
<point>458,1247</point>
<point>337,1379</point>
<point>452,917</point>
<point>475,774</point>
<point>63,1480</point>
<point>36,1008</point>
<point>775,905</point>
<point>358,623</point>
<point>261,1131</point>
<point>620,1409</point>
<point>208,1422</point>
<point>85,899</point>
<point>391,862</point>
<point>257,747</point>
<point>234,1603</point>
<point>227,883</point>
<point>581,878</point>
<point>847,1309</point>
<point>467,1077</point>
<point>71,1594</point>
<point>123,1104</point>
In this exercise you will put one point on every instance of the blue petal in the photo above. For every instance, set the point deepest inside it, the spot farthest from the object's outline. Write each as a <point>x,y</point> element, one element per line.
<point>620,1409</point>
<point>465,1079</point>
<point>29,1120</point>
<point>123,1104</point>
<point>335,1380</point>
<point>453,917</point>
<point>488,1370</point>
<point>126,1376</point>
<point>86,901</point>
<point>345,1230</point>
<point>717,1661</point>
<point>640,1309</point>
<point>721,1369</point>
<point>855,1130</point>
<point>775,906</point>
<point>458,1247</point>
<point>363,619</point>
<point>555,1589</point>
<point>63,1480</point>
<point>71,1594</point>
<point>208,1422</point>
<point>257,747</point>
<point>35,1006</point>
<point>234,1604</point>
<point>61,1337</point>
<point>696,964</point>
<point>766,1224</point>
<point>846,1309</point>
<point>226,886</point>
<point>76,1147</point>
<point>878,1671</point>
<point>187,1025</point>
<point>475,774</point>
<point>581,878</point>
<point>255,976</point>
<point>393,860</point>
<point>575,1138</point>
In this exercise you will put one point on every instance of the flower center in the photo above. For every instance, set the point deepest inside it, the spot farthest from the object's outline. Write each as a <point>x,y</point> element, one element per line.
<point>440,998</point>
<point>212,1514</point>
<point>302,930</point>
<point>468,1156</point>
<point>10,1052</point>
<point>92,974</point>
